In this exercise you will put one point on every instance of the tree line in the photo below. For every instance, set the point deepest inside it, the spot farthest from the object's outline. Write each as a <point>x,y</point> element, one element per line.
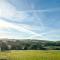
<point>29,45</point>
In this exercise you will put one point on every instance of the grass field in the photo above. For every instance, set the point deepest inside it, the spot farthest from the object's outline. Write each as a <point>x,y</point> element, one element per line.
<point>30,55</point>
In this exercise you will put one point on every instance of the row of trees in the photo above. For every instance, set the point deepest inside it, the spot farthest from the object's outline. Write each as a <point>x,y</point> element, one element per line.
<point>29,45</point>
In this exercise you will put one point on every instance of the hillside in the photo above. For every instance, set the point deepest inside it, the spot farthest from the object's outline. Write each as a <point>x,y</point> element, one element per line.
<point>28,44</point>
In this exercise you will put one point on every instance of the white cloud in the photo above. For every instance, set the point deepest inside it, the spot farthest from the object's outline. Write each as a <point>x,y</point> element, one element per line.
<point>38,37</point>
<point>5,24</point>
<point>9,11</point>
<point>18,28</point>
<point>6,9</point>
<point>6,35</point>
<point>21,15</point>
<point>28,27</point>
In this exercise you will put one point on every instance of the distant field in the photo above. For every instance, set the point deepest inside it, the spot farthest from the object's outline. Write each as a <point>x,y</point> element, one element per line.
<point>30,55</point>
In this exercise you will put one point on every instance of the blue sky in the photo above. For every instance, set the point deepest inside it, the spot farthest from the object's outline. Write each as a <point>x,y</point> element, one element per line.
<point>30,19</point>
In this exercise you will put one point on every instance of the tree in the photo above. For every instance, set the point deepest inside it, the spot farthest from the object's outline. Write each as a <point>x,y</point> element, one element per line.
<point>4,46</point>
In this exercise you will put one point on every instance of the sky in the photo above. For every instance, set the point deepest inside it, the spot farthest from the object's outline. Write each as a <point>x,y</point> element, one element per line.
<point>30,19</point>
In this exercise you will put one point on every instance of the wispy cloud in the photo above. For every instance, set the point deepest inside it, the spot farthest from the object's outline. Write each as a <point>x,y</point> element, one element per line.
<point>5,24</point>
<point>45,10</point>
<point>6,9</point>
<point>9,11</point>
<point>9,14</point>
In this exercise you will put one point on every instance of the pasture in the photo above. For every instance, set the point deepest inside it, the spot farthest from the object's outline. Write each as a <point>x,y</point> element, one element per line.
<point>30,55</point>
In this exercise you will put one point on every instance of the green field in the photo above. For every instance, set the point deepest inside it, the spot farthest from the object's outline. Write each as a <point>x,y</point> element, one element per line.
<point>30,55</point>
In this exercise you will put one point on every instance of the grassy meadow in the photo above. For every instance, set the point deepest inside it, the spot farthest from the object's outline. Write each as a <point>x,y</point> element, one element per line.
<point>30,55</point>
